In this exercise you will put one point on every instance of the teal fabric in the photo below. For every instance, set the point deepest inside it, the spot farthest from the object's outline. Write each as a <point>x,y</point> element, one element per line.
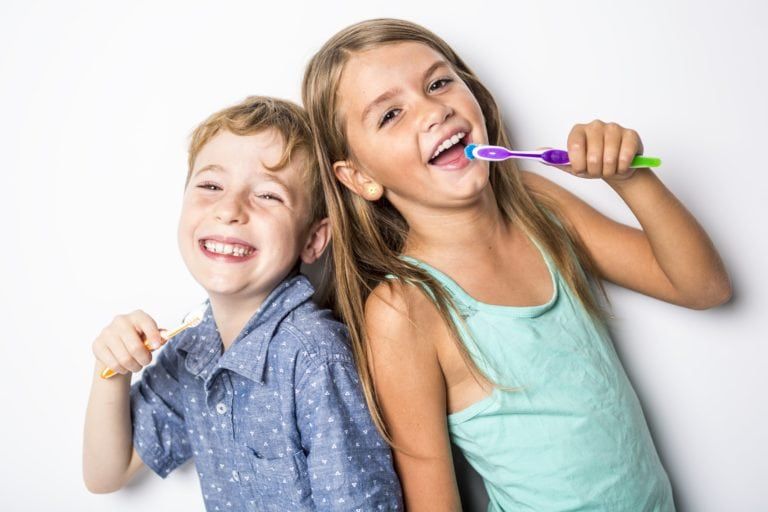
<point>571,435</point>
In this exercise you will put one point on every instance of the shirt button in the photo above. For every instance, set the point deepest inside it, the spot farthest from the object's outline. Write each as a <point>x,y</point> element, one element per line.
<point>235,475</point>
<point>221,408</point>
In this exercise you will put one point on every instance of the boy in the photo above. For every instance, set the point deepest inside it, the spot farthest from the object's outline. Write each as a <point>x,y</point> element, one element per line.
<point>263,393</point>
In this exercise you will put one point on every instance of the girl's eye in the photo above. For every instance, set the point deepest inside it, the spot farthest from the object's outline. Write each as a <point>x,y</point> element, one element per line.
<point>209,186</point>
<point>439,84</point>
<point>388,116</point>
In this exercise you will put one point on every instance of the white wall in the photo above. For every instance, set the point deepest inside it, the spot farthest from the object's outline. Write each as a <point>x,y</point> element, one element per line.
<point>96,102</point>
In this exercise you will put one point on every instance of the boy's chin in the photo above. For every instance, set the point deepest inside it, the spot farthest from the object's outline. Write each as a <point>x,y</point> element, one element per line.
<point>249,292</point>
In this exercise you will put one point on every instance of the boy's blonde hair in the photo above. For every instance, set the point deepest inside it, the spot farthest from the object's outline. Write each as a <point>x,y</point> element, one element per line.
<point>369,236</point>
<point>259,113</point>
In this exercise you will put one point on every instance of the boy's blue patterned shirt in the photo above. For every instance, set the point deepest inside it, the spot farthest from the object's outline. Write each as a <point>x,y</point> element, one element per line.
<point>277,422</point>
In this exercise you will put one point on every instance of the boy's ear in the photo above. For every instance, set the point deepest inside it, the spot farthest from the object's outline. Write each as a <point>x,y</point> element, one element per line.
<point>356,181</point>
<point>317,240</point>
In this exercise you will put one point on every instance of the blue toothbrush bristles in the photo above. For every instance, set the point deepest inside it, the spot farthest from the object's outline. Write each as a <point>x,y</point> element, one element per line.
<point>469,151</point>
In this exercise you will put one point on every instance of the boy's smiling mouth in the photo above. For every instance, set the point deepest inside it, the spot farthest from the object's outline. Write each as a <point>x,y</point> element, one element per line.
<point>226,249</point>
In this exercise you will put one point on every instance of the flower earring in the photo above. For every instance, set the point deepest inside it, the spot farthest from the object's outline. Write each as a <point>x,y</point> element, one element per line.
<point>373,191</point>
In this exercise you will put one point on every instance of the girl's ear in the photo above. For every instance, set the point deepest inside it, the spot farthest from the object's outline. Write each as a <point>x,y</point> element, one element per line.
<point>317,240</point>
<point>356,181</point>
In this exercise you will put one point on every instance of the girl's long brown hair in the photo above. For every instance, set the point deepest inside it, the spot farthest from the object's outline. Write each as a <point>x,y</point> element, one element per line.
<point>368,237</point>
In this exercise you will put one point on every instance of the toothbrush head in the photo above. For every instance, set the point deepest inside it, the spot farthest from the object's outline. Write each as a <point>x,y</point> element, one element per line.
<point>469,151</point>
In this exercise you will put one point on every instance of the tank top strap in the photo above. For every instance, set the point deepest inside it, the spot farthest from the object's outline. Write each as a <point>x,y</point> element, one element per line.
<point>468,305</point>
<point>464,306</point>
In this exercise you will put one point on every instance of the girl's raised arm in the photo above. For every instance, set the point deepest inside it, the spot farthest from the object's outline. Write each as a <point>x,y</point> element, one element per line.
<point>411,392</point>
<point>671,258</point>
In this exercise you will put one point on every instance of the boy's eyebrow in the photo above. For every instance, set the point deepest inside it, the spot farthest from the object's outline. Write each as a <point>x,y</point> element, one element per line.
<point>269,176</point>
<point>387,95</point>
<point>209,167</point>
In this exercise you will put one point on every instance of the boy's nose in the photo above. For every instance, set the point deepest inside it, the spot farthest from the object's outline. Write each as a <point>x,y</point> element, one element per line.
<point>230,210</point>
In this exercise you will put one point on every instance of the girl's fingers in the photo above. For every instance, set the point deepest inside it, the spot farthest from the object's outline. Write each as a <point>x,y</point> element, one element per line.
<point>595,143</point>
<point>577,143</point>
<point>611,148</point>
<point>630,146</point>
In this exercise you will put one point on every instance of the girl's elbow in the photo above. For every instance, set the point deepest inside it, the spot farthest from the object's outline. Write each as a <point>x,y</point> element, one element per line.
<point>716,294</point>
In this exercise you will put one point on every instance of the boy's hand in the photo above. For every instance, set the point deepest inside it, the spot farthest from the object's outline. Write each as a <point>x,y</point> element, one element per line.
<point>124,345</point>
<point>602,150</point>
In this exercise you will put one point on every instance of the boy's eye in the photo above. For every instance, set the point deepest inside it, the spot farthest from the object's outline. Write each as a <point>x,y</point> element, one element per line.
<point>439,84</point>
<point>270,197</point>
<point>209,186</point>
<point>388,116</point>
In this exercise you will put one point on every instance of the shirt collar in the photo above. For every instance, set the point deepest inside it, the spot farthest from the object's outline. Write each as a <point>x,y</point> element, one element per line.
<point>247,354</point>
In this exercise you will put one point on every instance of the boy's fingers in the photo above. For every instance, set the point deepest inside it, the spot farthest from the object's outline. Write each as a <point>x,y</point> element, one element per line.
<point>104,355</point>
<point>148,327</point>
<point>123,356</point>
<point>136,348</point>
<point>577,142</point>
<point>128,341</point>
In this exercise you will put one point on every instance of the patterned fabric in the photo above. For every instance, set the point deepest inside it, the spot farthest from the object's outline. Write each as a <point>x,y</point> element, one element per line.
<point>276,422</point>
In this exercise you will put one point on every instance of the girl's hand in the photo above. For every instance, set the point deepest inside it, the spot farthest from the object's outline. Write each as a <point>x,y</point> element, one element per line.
<point>602,150</point>
<point>124,345</point>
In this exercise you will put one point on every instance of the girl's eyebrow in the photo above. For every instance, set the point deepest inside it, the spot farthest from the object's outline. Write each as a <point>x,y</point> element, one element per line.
<point>384,97</point>
<point>391,93</point>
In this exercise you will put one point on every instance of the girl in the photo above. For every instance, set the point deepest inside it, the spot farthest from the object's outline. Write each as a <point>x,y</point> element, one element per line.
<point>468,286</point>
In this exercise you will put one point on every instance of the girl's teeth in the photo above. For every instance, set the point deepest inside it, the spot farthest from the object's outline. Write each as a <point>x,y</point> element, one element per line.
<point>447,143</point>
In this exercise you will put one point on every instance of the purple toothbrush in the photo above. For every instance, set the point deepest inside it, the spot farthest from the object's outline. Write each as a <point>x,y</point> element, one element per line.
<point>548,156</point>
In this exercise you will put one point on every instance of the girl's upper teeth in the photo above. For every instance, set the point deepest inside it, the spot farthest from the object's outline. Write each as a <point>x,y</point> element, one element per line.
<point>447,143</point>
<point>222,248</point>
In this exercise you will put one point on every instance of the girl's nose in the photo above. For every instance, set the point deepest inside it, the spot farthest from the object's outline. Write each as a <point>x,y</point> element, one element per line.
<point>434,113</point>
<point>231,210</point>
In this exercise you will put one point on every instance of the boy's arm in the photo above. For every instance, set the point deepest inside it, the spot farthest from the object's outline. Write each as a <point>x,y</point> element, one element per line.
<point>109,460</point>
<point>349,464</point>
<point>148,416</point>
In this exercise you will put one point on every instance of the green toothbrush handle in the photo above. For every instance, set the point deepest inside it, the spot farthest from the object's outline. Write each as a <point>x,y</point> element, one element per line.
<point>645,161</point>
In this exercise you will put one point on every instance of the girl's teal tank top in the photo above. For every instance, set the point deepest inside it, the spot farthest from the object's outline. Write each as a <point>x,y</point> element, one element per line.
<point>570,435</point>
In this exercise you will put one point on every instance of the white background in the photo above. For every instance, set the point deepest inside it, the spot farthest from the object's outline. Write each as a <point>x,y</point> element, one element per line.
<point>96,104</point>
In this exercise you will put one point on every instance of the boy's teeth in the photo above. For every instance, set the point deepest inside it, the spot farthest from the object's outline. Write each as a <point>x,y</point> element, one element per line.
<point>221,248</point>
<point>447,143</point>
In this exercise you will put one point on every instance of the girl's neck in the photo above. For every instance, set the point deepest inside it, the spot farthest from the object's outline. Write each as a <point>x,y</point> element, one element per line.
<point>471,234</point>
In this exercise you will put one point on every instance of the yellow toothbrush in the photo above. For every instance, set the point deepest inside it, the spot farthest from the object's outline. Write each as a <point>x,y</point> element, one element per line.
<point>191,320</point>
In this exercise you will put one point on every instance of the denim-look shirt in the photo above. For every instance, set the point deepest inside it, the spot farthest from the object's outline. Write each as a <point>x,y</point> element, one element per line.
<point>276,422</point>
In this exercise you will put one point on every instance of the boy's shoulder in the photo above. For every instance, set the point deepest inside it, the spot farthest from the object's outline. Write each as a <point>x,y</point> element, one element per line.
<point>313,335</point>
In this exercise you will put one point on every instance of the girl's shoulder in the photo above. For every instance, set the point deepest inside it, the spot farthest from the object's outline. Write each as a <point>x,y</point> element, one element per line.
<point>394,299</point>
<point>400,311</point>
